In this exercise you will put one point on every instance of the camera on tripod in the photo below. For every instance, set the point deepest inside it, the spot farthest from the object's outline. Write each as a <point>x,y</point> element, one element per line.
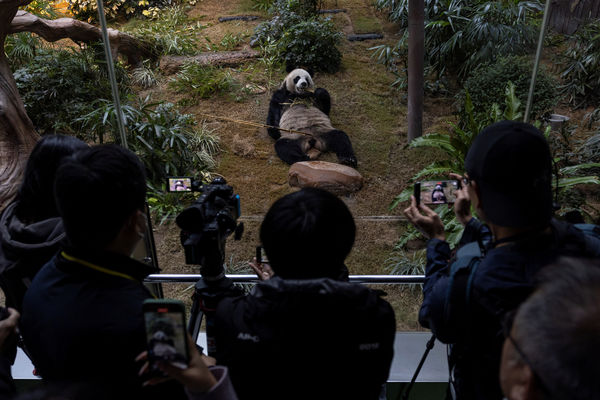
<point>206,224</point>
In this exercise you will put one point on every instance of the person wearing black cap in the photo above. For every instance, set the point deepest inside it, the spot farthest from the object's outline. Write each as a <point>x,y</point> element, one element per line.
<point>508,182</point>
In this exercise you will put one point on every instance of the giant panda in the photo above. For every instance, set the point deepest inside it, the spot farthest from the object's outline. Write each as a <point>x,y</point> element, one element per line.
<point>296,107</point>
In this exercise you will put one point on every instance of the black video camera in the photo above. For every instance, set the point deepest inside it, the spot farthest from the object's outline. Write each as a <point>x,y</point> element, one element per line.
<point>206,224</point>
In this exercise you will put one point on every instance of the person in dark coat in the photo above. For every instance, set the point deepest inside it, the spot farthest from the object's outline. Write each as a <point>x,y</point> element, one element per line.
<point>30,227</point>
<point>508,183</point>
<point>306,333</point>
<point>82,316</point>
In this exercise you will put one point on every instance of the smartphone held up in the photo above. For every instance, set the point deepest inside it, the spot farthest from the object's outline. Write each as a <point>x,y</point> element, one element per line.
<point>436,192</point>
<point>166,334</point>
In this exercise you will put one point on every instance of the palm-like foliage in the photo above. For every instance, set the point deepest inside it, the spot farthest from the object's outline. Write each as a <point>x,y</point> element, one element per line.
<point>167,142</point>
<point>461,34</point>
<point>581,66</point>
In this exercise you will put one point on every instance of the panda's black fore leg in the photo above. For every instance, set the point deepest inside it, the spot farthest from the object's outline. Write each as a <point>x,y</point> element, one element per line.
<point>290,151</point>
<point>339,143</point>
<point>322,100</point>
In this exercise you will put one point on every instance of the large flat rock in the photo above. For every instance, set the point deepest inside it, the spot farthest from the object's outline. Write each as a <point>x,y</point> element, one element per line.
<point>337,178</point>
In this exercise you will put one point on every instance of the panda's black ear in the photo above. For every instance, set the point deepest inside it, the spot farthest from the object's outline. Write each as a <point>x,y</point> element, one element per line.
<point>289,67</point>
<point>310,71</point>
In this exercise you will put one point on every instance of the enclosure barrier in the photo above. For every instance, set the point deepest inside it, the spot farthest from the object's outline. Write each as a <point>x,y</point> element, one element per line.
<point>377,279</point>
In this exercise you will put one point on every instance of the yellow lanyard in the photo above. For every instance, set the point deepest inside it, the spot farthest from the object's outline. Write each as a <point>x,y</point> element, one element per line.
<point>97,267</point>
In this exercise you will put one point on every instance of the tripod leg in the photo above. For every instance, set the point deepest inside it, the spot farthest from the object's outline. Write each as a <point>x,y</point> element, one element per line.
<point>195,319</point>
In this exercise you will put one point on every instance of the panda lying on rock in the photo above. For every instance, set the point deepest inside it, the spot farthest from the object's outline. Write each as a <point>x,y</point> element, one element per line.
<point>295,107</point>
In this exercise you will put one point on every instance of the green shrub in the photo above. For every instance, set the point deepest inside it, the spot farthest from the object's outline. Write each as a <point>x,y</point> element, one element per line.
<point>202,81</point>
<point>171,32</point>
<point>581,66</point>
<point>312,43</point>
<point>144,76</point>
<point>59,86</point>
<point>227,42</point>
<point>87,10</point>
<point>304,8</point>
<point>487,83</point>
<point>262,5</point>
<point>298,35</point>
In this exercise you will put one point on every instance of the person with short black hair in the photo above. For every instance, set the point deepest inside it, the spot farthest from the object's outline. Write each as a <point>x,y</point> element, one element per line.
<point>552,346</point>
<point>306,333</point>
<point>82,319</point>
<point>508,182</point>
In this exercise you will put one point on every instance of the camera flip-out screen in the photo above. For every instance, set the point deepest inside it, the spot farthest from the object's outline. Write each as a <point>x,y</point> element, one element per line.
<point>180,184</point>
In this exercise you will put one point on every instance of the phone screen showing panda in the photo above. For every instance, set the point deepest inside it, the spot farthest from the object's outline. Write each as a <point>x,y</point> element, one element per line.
<point>437,192</point>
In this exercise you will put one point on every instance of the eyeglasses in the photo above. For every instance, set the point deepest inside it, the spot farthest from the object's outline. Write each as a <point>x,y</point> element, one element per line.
<point>507,324</point>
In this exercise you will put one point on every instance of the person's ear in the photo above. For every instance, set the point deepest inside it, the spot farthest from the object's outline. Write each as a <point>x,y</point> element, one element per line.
<point>523,387</point>
<point>477,192</point>
<point>141,222</point>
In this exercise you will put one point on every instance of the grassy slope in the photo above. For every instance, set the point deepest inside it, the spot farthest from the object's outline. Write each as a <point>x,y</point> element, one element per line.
<point>363,104</point>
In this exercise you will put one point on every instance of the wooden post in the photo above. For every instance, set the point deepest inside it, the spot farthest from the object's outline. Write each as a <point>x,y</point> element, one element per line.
<point>416,51</point>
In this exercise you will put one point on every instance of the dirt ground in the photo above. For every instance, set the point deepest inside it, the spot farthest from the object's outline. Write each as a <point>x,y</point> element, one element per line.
<point>363,104</point>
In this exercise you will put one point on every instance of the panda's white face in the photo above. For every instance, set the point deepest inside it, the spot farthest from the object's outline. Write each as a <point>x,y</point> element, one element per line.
<point>298,81</point>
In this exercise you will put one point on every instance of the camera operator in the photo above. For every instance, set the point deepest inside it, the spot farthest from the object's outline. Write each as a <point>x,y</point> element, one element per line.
<point>306,333</point>
<point>82,319</point>
<point>552,348</point>
<point>508,183</point>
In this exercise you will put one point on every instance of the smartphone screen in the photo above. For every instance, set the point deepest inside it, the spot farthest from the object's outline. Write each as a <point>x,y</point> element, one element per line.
<point>261,256</point>
<point>179,184</point>
<point>166,334</point>
<point>436,192</point>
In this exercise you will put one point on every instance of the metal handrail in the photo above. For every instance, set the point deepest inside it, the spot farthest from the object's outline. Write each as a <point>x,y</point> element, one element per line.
<point>377,279</point>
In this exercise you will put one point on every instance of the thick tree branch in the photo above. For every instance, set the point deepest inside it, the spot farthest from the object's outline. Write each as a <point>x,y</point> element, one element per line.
<point>133,49</point>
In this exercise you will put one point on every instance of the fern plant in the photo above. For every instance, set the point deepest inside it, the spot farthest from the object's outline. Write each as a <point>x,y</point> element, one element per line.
<point>406,263</point>
<point>202,81</point>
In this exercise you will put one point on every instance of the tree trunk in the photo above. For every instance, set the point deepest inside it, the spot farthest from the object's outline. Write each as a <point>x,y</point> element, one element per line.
<point>133,49</point>
<point>17,134</point>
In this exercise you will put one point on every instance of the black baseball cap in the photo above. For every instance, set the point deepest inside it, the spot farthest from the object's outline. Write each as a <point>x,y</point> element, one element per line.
<point>512,166</point>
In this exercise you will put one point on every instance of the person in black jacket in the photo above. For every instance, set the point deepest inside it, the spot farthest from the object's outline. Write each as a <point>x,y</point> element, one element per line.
<point>30,227</point>
<point>306,333</point>
<point>82,316</point>
<point>508,183</point>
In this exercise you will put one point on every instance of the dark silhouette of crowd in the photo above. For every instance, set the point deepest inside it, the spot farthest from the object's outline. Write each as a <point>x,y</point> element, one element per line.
<point>517,301</point>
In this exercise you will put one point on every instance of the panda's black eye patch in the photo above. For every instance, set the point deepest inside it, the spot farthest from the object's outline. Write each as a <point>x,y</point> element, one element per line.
<point>296,79</point>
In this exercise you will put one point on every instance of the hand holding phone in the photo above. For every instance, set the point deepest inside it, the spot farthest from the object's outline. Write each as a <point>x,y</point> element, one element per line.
<point>166,334</point>
<point>196,377</point>
<point>260,265</point>
<point>462,205</point>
